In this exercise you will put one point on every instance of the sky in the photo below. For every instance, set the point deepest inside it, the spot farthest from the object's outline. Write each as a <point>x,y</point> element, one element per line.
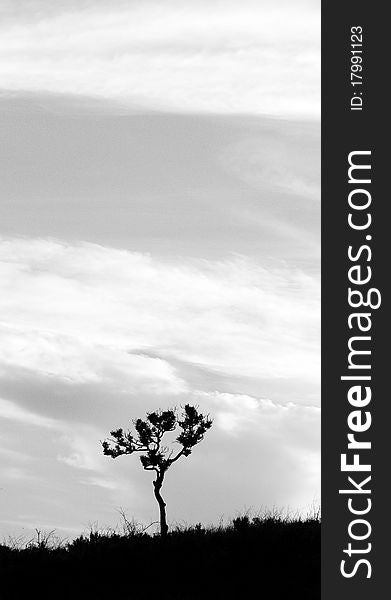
<point>159,245</point>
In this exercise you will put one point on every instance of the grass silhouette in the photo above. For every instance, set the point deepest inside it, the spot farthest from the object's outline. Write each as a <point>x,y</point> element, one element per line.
<point>268,556</point>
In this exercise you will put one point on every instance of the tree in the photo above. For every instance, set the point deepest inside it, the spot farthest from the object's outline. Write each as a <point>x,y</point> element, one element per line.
<point>148,441</point>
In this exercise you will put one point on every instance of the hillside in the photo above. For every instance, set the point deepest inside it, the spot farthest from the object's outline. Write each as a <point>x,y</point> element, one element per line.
<point>270,558</point>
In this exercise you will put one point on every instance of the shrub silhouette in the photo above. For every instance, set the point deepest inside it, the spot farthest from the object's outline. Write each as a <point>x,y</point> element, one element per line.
<point>272,557</point>
<point>148,441</point>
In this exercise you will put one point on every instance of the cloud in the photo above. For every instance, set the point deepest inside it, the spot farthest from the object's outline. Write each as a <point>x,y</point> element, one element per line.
<point>92,336</point>
<point>221,185</point>
<point>273,161</point>
<point>95,313</point>
<point>231,57</point>
<point>9,410</point>
<point>79,440</point>
<point>288,425</point>
<point>259,454</point>
<point>95,336</point>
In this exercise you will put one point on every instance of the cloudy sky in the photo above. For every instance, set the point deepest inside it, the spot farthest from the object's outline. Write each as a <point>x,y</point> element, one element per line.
<point>159,244</point>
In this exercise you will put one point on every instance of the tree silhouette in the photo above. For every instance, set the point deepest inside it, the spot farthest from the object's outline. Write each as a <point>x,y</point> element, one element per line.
<point>155,456</point>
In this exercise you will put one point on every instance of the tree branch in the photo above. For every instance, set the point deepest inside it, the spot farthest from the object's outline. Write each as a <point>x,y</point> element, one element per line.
<point>151,469</point>
<point>172,460</point>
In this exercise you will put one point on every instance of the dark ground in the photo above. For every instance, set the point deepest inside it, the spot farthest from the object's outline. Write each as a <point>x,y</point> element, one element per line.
<point>268,558</point>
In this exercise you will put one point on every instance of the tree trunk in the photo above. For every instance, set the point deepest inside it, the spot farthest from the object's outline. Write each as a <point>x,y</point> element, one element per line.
<point>162,505</point>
